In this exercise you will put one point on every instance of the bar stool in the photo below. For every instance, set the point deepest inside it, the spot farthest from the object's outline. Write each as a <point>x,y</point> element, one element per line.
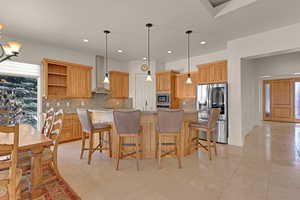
<point>209,128</point>
<point>127,124</point>
<point>88,130</point>
<point>169,125</point>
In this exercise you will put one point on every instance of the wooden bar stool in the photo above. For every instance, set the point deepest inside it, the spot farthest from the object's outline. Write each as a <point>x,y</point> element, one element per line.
<point>169,124</point>
<point>209,128</point>
<point>88,130</point>
<point>127,124</point>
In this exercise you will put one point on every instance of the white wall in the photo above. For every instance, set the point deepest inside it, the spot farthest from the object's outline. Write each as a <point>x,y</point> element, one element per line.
<point>181,65</point>
<point>33,52</point>
<point>278,40</point>
<point>279,65</point>
<point>250,96</point>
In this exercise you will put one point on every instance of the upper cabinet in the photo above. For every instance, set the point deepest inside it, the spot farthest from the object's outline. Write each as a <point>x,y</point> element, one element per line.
<point>119,84</point>
<point>164,81</point>
<point>184,90</point>
<point>66,80</point>
<point>214,72</point>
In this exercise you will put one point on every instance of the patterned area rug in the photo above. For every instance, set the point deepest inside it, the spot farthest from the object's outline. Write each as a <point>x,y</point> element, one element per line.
<point>55,190</point>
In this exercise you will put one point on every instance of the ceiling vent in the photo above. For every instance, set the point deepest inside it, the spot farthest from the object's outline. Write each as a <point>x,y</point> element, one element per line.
<point>216,3</point>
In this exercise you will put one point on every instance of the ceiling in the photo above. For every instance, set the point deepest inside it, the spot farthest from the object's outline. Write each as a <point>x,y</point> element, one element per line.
<point>66,23</point>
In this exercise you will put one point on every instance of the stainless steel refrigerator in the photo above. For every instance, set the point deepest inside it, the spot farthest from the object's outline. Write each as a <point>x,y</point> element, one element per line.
<point>213,96</point>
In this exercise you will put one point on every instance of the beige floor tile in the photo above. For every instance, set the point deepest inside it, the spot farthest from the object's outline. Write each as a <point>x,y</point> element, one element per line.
<point>266,168</point>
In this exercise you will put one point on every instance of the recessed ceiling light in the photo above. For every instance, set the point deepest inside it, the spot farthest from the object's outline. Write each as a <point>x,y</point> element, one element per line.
<point>85,40</point>
<point>169,52</point>
<point>120,51</point>
<point>144,58</point>
<point>203,42</point>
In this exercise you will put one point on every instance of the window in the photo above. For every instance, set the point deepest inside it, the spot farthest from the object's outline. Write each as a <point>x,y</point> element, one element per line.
<point>26,91</point>
<point>268,99</point>
<point>297,100</point>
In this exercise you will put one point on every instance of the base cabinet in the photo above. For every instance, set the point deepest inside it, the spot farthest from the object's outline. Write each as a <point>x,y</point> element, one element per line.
<point>72,129</point>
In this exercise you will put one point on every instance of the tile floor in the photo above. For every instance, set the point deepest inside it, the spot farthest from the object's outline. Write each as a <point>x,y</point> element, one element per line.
<point>266,168</point>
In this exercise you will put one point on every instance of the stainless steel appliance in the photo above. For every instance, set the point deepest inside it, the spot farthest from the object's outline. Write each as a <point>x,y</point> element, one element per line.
<point>214,96</point>
<point>163,100</point>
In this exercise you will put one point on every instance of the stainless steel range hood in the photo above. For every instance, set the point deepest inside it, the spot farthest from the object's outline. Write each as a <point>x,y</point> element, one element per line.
<point>101,88</point>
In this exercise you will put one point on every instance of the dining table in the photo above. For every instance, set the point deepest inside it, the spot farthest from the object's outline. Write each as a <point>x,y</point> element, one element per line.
<point>30,139</point>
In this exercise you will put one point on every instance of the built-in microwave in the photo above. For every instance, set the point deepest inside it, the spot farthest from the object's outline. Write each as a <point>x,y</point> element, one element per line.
<point>163,99</point>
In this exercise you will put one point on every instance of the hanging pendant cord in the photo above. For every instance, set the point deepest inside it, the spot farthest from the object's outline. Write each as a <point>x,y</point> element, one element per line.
<point>106,60</point>
<point>189,62</point>
<point>149,47</point>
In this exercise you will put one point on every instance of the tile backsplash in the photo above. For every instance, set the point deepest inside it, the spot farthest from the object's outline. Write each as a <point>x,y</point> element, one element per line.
<point>188,104</point>
<point>98,101</point>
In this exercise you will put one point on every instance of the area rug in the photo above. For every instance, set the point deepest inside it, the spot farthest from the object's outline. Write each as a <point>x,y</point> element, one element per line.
<point>56,190</point>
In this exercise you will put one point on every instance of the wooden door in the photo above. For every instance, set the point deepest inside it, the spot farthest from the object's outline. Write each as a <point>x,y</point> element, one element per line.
<point>281,100</point>
<point>218,72</point>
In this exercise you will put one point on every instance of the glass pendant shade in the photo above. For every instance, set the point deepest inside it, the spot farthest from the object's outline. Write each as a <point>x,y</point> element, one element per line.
<point>15,46</point>
<point>8,51</point>
<point>149,78</point>
<point>106,79</point>
<point>189,79</point>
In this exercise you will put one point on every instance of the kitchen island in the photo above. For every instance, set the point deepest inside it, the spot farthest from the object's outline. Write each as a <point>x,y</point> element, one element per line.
<point>148,137</point>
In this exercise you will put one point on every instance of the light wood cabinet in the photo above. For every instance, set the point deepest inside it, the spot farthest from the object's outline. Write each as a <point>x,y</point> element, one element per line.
<point>119,84</point>
<point>163,81</point>
<point>66,80</point>
<point>214,72</point>
<point>79,82</point>
<point>166,82</point>
<point>71,128</point>
<point>184,90</point>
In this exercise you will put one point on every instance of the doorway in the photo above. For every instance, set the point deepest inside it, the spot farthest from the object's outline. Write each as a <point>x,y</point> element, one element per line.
<point>281,100</point>
<point>144,93</point>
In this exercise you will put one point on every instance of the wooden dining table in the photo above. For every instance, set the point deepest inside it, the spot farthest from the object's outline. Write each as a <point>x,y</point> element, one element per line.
<point>31,140</point>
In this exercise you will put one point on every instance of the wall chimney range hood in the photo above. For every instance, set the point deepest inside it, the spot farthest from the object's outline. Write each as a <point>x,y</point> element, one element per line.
<point>101,87</point>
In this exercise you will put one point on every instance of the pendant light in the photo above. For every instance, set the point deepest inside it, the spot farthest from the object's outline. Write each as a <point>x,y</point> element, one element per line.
<point>149,78</point>
<point>106,79</point>
<point>189,79</point>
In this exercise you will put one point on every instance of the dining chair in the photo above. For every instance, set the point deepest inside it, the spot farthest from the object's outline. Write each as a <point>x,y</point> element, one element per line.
<point>127,125</point>
<point>10,175</point>
<point>49,117</point>
<point>209,127</point>
<point>170,122</point>
<point>88,131</point>
<point>49,157</point>
<point>24,157</point>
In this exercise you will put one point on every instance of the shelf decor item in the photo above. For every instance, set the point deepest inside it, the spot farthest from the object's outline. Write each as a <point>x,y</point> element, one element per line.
<point>189,79</point>
<point>11,49</point>
<point>11,108</point>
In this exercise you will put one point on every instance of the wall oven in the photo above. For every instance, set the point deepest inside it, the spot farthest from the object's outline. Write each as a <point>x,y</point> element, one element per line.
<point>163,100</point>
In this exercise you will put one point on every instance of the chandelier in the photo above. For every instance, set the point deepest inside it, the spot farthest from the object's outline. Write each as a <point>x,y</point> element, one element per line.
<point>11,49</point>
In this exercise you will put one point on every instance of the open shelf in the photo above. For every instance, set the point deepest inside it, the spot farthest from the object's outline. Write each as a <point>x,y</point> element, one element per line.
<point>57,85</point>
<point>57,74</point>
